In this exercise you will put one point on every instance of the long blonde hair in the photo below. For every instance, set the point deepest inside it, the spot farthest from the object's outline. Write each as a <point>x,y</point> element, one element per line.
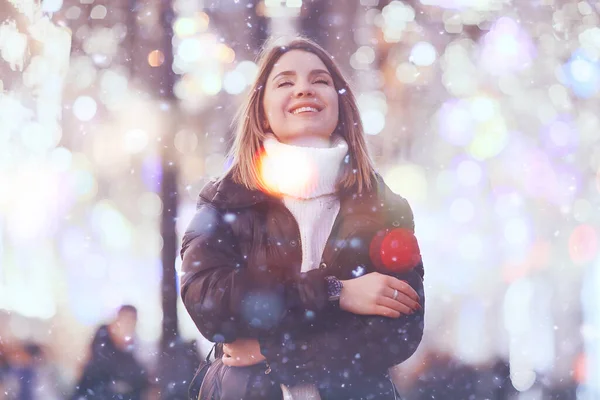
<point>358,173</point>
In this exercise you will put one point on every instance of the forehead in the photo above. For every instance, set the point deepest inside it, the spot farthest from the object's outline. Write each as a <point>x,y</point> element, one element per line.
<point>298,61</point>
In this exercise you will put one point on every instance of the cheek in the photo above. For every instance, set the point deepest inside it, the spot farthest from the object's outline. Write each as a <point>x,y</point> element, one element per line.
<point>335,107</point>
<point>273,106</point>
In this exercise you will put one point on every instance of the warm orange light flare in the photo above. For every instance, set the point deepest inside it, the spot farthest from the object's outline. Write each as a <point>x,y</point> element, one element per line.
<point>286,172</point>
<point>156,58</point>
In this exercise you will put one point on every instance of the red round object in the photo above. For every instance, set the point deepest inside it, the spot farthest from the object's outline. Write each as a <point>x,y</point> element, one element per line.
<point>396,250</point>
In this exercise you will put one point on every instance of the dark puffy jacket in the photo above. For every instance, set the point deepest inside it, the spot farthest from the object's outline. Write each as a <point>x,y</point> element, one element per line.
<point>241,263</point>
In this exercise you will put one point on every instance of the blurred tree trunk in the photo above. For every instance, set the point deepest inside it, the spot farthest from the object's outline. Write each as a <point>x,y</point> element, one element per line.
<point>169,195</point>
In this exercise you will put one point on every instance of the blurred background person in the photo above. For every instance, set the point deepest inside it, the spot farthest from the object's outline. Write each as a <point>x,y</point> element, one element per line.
<point>26,373</point>
<point>112,371</point>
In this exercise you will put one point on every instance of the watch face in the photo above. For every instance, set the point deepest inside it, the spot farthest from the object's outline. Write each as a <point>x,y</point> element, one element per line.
<point>334,288</point>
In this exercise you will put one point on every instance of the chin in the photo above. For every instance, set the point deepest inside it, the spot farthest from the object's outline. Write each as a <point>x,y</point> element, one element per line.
<point>310,134</point>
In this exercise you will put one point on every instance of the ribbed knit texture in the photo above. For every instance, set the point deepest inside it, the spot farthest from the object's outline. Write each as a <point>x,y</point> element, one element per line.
<point>312,200</point>
<point>315,218</point>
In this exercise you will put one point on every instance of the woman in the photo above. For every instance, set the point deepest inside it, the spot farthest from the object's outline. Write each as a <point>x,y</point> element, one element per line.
<point>285,261</point>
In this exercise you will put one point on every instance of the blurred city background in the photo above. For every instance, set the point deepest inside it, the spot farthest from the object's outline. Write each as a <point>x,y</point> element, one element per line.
<point>485,114</point>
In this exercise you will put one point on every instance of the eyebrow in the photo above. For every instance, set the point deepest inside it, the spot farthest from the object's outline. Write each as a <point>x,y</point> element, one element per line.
<point>313,72</point>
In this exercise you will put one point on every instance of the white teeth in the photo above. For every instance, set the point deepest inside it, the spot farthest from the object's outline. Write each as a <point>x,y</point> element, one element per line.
<point>304,109</point>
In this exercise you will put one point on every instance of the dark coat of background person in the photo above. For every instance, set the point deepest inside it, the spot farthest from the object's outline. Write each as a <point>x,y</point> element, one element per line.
<point>111,373</point>
<point>241,262</point>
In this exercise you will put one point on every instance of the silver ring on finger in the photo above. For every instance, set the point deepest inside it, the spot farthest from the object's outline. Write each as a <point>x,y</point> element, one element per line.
<point>395,294</point>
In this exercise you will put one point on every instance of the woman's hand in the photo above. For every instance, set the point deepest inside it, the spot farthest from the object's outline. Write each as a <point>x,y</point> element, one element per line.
<point>378,294</point>
<point>242,353</point>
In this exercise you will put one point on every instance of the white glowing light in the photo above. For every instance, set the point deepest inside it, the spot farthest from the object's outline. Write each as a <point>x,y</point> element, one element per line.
<point>582,70</point>
<point>84,184</point>
<point>73,12</point>
<point>189,50</point>
<point>13,45</point>
<point>51,5</point>
<point>396,16</point>
<point>85,108</point>
<point>396,12</point>
<point>113,91</point>
<point>185,27</point>
<point>408,180</point>
<point>423,54</point>
<point>98,12</point>
<point>234,82</point>
<point>522,379</point>
<point>373,121</point>
<point>462,210</point>
<point>516,307</point>
<point>211,83</point>
<point>28,218</point>
<point>135,140</point>
<point>186,141</point>
<point>506,48</point>
<point>582,210</point>
<point>483,108</point>
<point>286,171</point>
<point>407,73</point>
<point>516,231</point>
<point>112,226</point>
<point>469,173</point>
<point>61,158</point>
<point>470,247</point>
<point>365,54</point>
<point>560,133</point>
<point>248,69</point>
<point>37,137</point>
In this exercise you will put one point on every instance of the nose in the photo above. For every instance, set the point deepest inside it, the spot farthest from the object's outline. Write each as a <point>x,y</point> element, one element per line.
<point>304,90</point>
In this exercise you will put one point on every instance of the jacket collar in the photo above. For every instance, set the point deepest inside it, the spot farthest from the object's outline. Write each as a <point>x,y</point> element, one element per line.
<point>227,194</point>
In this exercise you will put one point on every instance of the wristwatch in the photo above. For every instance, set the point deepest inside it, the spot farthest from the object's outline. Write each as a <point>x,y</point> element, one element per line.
<point>334,288</point>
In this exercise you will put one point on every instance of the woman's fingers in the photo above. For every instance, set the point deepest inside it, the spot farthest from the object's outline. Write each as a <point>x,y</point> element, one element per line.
<point>386,312</point>
<point>395,305</point>
<point>406,299</point>
<point>401,298</point>
<point>403,287</point>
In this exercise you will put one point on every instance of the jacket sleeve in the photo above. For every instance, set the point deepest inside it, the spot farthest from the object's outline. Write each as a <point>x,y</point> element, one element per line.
<point>226,299</point>
<point>350,346</point>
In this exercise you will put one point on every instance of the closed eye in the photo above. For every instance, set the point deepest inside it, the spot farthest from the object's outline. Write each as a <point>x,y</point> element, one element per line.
<point>325,81</point>
<point>285,83</point>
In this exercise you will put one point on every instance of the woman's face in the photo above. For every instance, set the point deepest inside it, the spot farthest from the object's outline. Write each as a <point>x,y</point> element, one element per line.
<point>300,100</point>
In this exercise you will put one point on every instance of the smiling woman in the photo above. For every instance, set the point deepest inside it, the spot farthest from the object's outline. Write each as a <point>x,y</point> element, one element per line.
<point>300,100</point>
<point>276,287</point>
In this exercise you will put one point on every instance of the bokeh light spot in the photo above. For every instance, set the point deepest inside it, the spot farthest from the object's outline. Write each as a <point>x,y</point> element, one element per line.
<point>408,180</point>
<point>583,244</point>
<point>84,108</point>
<point>423,54</point>
<point>156,58</point>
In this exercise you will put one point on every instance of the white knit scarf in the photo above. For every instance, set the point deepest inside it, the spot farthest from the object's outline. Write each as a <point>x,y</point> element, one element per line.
<point>303,172</point>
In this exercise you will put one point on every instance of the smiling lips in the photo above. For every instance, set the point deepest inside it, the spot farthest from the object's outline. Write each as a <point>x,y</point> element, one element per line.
<point>304,109</point>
